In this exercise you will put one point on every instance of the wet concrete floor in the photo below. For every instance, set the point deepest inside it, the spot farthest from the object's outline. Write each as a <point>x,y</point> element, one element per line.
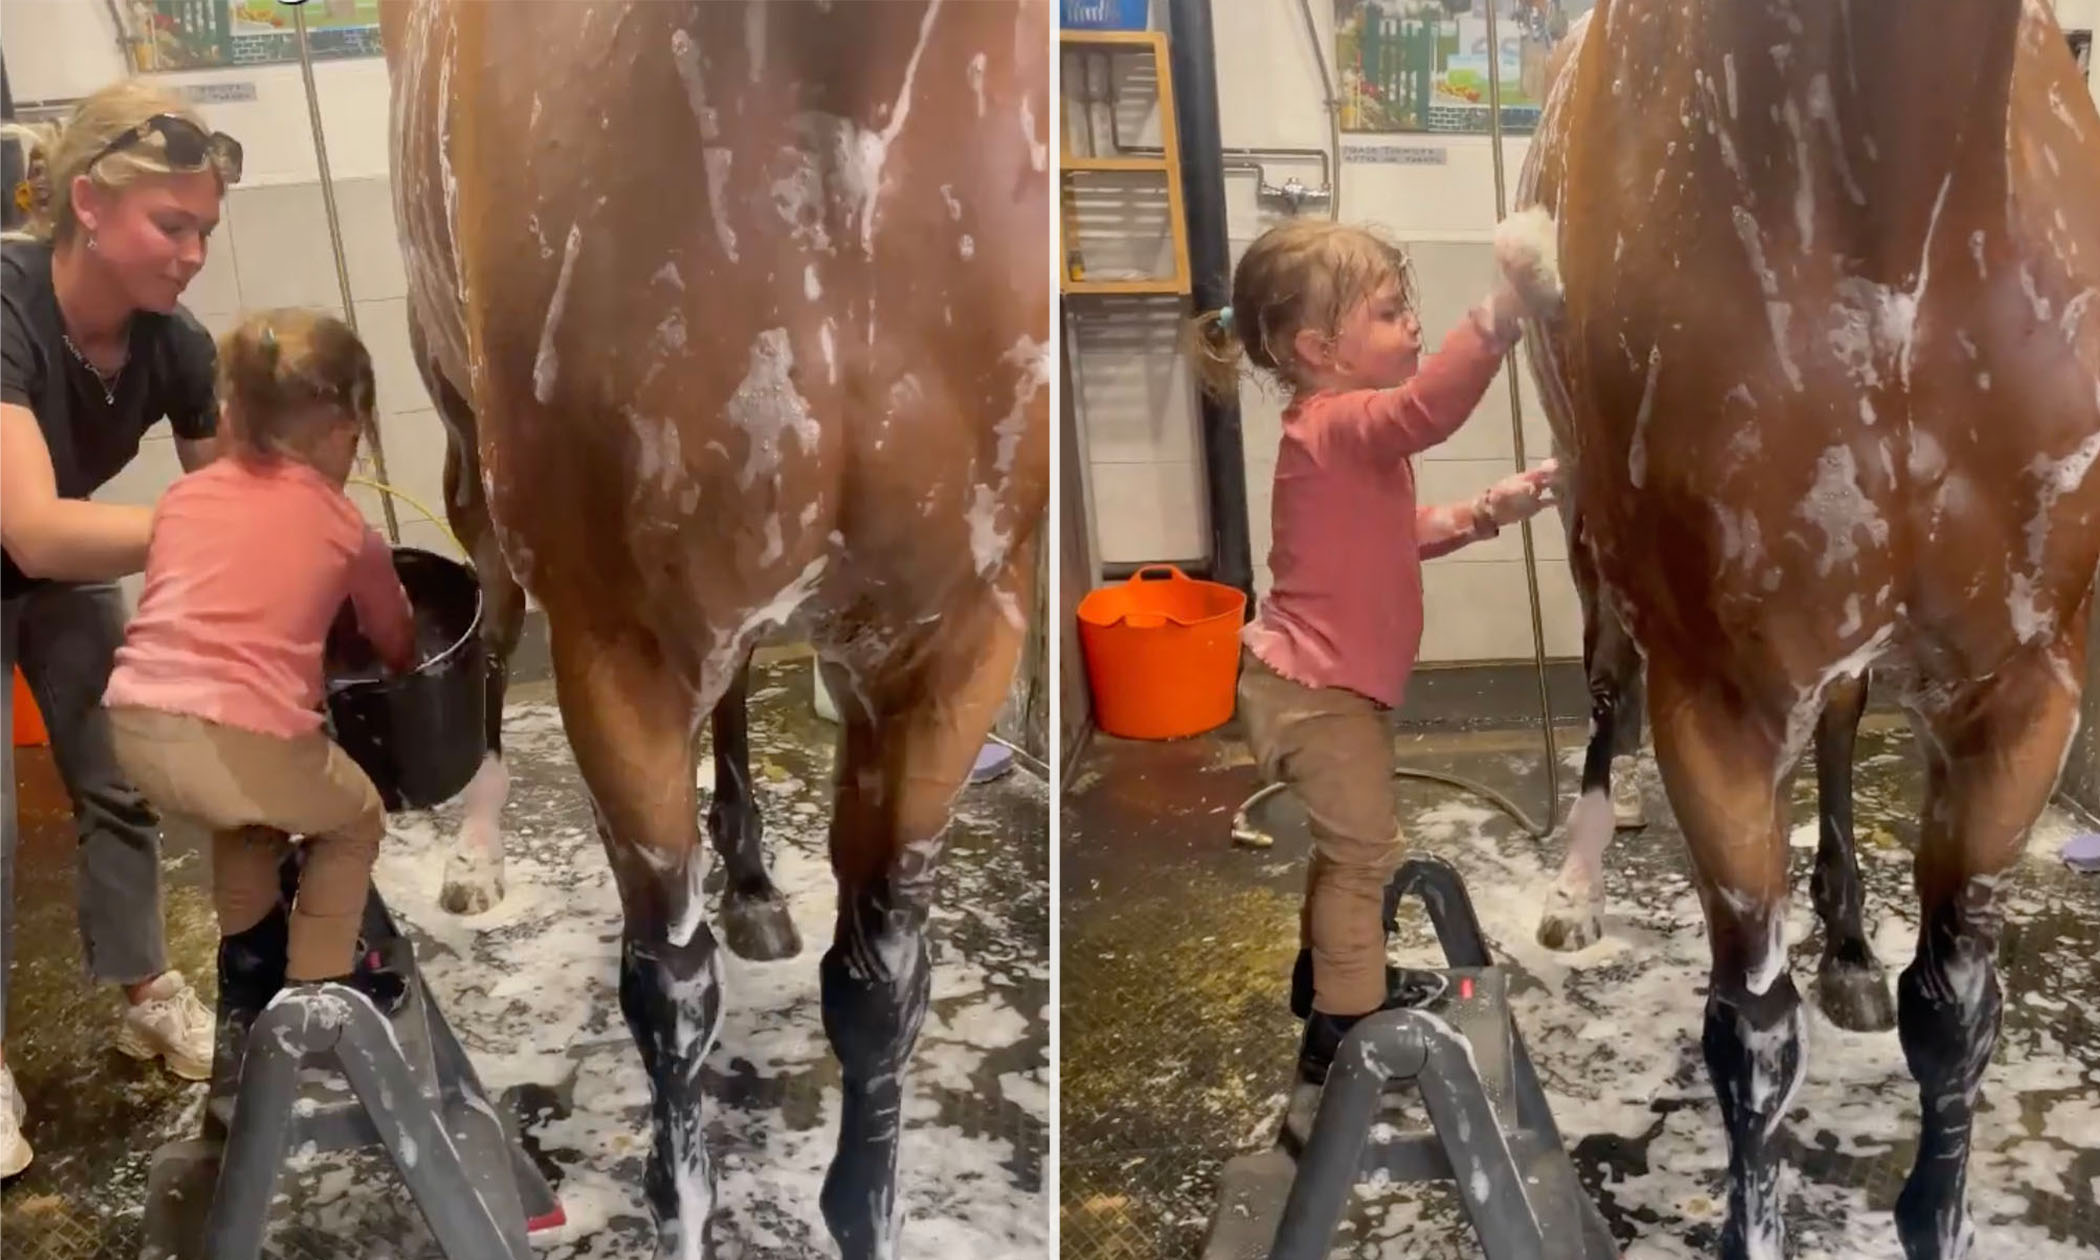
<point>530,988</point>
<point>1177,1045</point>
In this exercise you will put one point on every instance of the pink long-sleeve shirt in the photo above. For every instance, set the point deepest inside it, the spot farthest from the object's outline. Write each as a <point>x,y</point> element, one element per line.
<point>248,565</point>
<point>1348,538</point>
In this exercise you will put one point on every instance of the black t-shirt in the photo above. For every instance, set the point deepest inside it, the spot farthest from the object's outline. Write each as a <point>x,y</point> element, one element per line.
<point>168,374</point>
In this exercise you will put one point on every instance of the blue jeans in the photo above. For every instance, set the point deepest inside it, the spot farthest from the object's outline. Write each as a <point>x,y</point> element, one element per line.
<point>65,639</point>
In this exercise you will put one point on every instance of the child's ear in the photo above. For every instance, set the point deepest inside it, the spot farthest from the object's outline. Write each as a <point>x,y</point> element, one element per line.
<point>1312,348</point>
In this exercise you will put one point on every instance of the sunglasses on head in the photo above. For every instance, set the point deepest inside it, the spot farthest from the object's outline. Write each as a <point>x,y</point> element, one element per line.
<point>187,146</point>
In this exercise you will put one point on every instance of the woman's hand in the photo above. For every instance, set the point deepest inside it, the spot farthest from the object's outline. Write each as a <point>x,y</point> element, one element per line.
<point>1521,496</point>
<point>72,540</point>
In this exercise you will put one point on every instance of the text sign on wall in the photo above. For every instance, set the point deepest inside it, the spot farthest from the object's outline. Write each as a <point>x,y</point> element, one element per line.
<point>1397,154</point>
<point>219,93</point>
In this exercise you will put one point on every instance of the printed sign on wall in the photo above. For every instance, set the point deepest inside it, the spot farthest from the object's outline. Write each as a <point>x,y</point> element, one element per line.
<point>209,34</point>
<point>1422,65</point>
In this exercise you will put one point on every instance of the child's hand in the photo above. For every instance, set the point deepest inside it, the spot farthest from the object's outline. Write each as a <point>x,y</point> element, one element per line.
<point>1521,496</point>
<point>1527,260</point>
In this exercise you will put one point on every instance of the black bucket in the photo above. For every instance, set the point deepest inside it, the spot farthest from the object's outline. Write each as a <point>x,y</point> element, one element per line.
<point>420,737</point>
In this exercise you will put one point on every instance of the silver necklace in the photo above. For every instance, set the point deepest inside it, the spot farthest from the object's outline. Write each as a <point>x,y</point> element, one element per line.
<point>109,382</point>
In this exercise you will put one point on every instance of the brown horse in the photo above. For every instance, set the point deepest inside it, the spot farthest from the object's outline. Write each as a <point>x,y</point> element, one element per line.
<point>739,315</point>
<point>1826,378</point>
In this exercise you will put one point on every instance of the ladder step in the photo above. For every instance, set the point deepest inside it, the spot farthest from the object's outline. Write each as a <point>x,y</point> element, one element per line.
<point>327,1115</point>
<point>1109,165</point>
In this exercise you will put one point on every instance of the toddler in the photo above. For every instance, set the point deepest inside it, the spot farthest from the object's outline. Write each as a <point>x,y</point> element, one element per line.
<point>215,697</point>
<point>1325,309</point>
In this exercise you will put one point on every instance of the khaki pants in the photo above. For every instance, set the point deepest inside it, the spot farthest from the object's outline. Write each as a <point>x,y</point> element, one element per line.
<point>253,792</point>
<point>1333,748</point>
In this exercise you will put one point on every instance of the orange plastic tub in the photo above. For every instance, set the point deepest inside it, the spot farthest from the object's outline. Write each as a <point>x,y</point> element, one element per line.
<point>29,724</point>
<point>1162,653</point>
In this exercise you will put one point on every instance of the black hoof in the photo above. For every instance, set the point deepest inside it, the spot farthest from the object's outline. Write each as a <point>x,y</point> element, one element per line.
<point>759,928</point>
<point>1856,996</point>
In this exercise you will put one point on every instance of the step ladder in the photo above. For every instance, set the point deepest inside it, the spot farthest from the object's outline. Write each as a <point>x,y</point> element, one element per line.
<point>322,1069</point>
<point>1493,1134</point>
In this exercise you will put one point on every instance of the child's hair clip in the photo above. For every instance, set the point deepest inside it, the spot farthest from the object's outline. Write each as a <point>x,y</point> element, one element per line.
<point>1225,318</point>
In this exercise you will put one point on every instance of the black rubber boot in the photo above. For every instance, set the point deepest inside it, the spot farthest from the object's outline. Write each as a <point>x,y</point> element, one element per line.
<point>1406,988</point>
<point>251,963</point>
<point>251,971</point>
<point>379,978</point>
<point>1399,982</point>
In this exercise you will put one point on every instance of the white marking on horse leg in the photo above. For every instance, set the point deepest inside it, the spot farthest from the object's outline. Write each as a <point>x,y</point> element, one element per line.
<point>1589,831</point>
<point>474,870</point>
<point>547,363</point>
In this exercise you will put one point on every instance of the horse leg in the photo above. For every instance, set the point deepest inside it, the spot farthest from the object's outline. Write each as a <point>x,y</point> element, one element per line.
<point>755,919</point>
<point>1574,913</point>
<point>907,744</point>
<point>1992,759</point>
<point>1720,761</point>
<point>1851,986</point>
<point>474,869</point>
<point>630,723</point>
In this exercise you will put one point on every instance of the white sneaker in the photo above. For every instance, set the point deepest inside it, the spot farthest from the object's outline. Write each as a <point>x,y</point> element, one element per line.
<point>14,1148</point>
<point>172,1024</point>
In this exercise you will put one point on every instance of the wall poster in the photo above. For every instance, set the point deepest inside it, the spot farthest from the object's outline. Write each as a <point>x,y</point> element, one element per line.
<point>1422,65</point>
<point>209,34</point>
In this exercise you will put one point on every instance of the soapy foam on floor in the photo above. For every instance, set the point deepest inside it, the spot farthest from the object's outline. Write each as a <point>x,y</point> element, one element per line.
<point>1614,1033</point>
<point>530,988</point>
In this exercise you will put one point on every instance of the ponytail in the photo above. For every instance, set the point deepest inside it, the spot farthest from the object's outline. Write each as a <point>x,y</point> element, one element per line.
<point>1218,353</point>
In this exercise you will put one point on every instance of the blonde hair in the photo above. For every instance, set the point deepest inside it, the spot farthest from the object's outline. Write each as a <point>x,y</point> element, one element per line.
<point>289,375</point>
<point>55,154</point>
<point>1305,274</point>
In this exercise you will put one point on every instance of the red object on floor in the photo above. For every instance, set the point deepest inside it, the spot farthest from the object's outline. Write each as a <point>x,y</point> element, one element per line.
<point>29,724</point>
<point>551,1220</point>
